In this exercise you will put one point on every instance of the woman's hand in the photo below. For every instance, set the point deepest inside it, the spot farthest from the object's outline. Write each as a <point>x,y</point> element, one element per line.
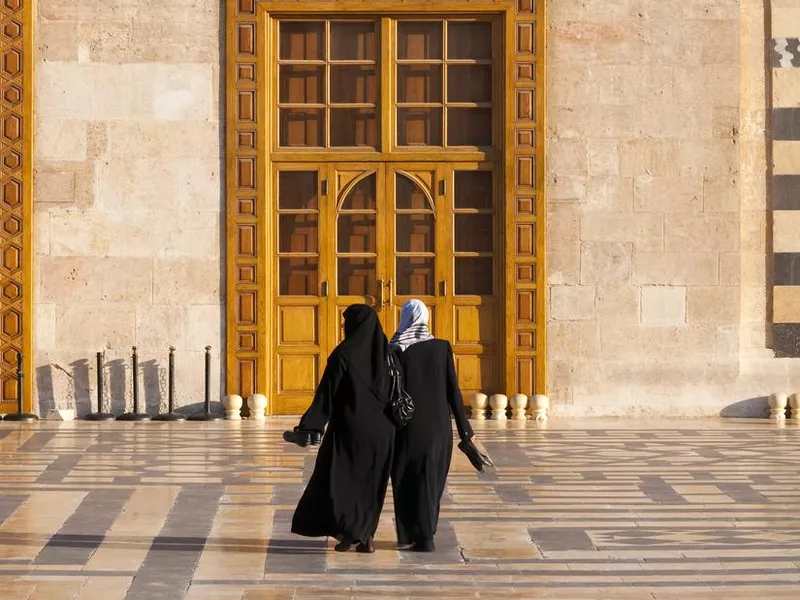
<point>475,456</point>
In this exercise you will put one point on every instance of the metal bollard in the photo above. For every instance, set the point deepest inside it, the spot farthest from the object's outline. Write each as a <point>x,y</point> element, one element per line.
<point>20,416</point>
<point>206,415</point>
<point>135,415</point>
<point>100,415</point>
<point>171,415</point>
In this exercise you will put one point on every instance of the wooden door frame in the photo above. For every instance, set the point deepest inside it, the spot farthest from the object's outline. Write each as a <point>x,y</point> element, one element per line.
<point>16,204</point>
<point>249,154</point>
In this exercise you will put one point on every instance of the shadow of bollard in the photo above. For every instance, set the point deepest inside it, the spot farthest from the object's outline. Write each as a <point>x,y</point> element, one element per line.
<point>44,389</point>
<point>81,387</point>
<point>116,385</point>
<point>153,386</point>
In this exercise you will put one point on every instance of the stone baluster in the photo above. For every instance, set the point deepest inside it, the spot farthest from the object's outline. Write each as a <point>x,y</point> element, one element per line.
<point>499,404</point>
<point>233,407</point>
<point>478,406</point>
<point>777,406</point>
<point>519,402</point>
<point>794,407</point>
<point>539,406</point>
<point>257,403</point>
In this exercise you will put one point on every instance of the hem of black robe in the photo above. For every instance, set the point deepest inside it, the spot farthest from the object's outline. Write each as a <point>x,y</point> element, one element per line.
<point>338,535</point>
<point>406,537</point>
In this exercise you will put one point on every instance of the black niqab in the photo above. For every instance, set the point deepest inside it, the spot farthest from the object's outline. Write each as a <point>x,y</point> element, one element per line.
<point>365,348</point>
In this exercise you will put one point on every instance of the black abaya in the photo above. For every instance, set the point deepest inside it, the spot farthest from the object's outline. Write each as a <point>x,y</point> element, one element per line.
<point>345,494</point>
<point>424,447</point>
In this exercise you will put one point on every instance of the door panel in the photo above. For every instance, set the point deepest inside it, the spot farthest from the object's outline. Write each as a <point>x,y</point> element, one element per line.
<point>381,234</point>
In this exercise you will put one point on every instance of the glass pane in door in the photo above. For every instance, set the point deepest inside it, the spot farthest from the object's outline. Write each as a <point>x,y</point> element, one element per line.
<point>474,276</point>
<point>298,233</point>
<point>416,233</point>
<point>357,276</point>
<point>419,40</point>
<point>302,40</point>
<point>298,276</point>
<point>469,40</point>
<point>469,127</point>
<point>416,276</point>
<point>357,233</point>
<point>353,40</point>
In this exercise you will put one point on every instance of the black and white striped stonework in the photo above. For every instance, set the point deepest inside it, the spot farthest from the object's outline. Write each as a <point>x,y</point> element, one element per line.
<point>785,201</point>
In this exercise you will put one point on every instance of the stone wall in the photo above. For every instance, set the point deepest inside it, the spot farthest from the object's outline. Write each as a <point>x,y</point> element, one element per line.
<point>128,201</point>
<point>657,237</point>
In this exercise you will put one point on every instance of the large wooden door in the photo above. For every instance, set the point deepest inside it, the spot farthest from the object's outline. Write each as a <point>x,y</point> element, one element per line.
<point>381,234</point>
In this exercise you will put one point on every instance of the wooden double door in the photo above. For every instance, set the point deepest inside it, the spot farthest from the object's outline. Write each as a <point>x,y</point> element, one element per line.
<point>380,234</point>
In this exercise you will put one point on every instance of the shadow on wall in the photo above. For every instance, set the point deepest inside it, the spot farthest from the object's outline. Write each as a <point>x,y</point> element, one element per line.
<point>753,408</point>
<point>116,385</point>
<point>58,388</point>
<point>154,382</point>
<point>72,387</point>
<point>44,389</point>
<point>81,387</point>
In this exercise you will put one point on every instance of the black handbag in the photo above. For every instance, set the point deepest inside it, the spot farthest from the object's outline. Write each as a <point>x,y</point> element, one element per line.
<point>401,406</point>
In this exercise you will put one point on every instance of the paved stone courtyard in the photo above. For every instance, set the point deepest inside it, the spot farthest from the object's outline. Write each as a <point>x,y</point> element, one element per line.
<point>575,509</point>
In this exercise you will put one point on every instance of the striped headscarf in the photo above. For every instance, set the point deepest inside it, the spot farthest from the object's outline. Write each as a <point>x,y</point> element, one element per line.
<point>413,325</point>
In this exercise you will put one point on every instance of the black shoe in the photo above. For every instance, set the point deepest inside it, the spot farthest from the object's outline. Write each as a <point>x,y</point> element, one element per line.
<point>301,438</point>
<point>423,546</point>
<point>366,547</point>
<point>344,545</point>
<point>316,438</point>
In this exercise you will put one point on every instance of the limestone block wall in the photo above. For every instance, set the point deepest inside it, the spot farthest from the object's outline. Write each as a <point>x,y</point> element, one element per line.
<point>127,195</point>
<point>645,235</point>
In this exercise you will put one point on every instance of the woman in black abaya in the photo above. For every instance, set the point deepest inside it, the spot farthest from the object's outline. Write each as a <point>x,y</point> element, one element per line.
<point>424,447</point>
<point>345,494</point>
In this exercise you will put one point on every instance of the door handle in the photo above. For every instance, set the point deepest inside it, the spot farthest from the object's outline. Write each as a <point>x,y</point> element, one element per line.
<point>381,301</point>
<point>443,287</point>
<point>324,289</point>
<point>391,291</point>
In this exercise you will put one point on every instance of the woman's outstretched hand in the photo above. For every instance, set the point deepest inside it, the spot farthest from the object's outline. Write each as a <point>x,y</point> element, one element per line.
<point>302,437</point>
<point>475,456</point>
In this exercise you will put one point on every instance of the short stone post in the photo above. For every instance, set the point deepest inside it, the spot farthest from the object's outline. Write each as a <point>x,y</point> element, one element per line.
<point>777,406</point>
<point>794,407</point>
<point>540,406</point>
<point>478,406</point>
<point>499,403</point>
<point>257,403</point>
<point>519,402</point>
<point>233,407</point>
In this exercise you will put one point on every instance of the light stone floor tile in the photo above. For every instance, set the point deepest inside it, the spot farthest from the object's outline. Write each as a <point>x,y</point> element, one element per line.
<point>105,588</point>
<point>215,592</point>
<point>500,541</point>
<point>237,544</point>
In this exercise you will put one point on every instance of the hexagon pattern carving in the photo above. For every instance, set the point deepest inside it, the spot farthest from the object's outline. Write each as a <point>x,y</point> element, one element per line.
<point>15,177</point>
